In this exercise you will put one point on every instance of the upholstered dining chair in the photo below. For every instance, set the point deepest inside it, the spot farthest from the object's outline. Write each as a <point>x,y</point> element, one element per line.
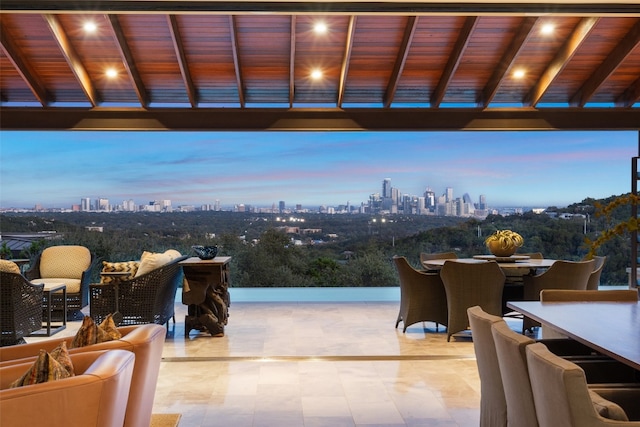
<point>422,296</point>
<point>65,264</point>
<point>20,305</point>
<point>469,284</point>
<point>561,275</point>
<point>426,256</point>
<point>493,405</point>
<point>594,277</point>
<point>562,397</point>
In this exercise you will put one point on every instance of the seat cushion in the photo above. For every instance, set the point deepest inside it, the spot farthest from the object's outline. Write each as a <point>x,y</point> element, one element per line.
<point>73,285</point>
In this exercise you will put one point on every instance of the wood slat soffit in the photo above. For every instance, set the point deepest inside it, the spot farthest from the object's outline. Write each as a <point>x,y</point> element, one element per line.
<point>263,65</point>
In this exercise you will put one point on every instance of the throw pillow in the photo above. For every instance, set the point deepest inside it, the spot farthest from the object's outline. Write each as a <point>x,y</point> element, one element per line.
<point>126,266</point>
<point>44,369</point>
<point>150,261</point>
<point>109,326</point>
<point>89,333</point>
<point>172,253</point>
<point>61,355</point>
<point>9,266</point>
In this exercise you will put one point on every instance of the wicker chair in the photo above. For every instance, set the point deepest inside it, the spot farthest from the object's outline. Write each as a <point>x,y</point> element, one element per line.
<point>594,278</point>
<point>470,284</point>
<point>148,298</point>
<point>71,265</point>
<point>561,275</point>
<point>422,296</point>
<point>20,307</point>
<point>424,256</point>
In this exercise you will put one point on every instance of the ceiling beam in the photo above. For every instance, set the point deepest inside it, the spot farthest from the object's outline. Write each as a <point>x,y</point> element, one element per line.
<point>409,31</point>
<point>566,52</point>
<point>181,57</point>
<point>292,61</point>
<point>630,96</point>
<point>330,119</point>
<point>506,62</point>
<point>346,59</point>
<point>454,60</point>
<point>128,61</point>
<point>235,51</point>
<point>460,7</point>
<point>607,67</point>
<point>12,52</point>
<point>72,59</point>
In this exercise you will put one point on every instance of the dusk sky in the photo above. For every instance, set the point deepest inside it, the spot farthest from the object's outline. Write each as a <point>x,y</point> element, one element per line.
<point>515,169</point>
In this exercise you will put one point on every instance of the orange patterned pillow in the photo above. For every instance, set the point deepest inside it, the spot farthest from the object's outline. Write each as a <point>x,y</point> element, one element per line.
<point>61,355</point>
<point>130,267</point>
<point>90,333</point>
<point>44,369</point>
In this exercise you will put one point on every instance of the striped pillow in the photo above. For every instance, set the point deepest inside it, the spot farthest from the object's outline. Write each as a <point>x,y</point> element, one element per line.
<point>130,267</point>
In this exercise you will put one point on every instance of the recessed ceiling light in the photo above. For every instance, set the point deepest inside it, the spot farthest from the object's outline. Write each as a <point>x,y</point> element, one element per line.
<point>316,74</point>
<point>518,74</point>
<point>547,29</point>
<point>90,27</point>
<point>111,73</point>
<point>320,28</point>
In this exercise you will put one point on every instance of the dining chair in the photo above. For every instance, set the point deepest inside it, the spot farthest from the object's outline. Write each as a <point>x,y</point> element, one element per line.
<point>566,295</point>
<point>601,373</point>
<point>562,397</point>
<point>594,278</point>
<point>467,285</point>
<point>561,275</point>
<point>493,405</point>
<point>426,256</point>
<point>513,284</point>
<point>422,296</point>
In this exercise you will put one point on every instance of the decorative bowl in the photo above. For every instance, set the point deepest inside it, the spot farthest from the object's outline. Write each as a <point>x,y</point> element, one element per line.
<point>205,252</point>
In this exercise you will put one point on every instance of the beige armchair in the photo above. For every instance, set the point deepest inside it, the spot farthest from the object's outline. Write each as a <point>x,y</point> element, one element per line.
<point>563,399</point>
<point>145,341</point>
<point>467,285</point>
<point>95,397</point>
<point>69,265</point>
<point>422,296</point>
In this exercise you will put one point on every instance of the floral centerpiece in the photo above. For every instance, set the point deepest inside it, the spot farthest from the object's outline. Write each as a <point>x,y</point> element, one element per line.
<point>504,243</point>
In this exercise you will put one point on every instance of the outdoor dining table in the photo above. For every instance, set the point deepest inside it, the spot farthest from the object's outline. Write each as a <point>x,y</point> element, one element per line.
<point>610,328</point>
<point>505,263</point>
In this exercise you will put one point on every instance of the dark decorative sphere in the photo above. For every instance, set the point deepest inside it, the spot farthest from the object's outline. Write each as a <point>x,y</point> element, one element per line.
<point>205,252</point>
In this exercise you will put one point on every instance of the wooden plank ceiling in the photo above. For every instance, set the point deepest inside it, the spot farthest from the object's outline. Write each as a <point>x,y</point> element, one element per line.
<point>382,65</point>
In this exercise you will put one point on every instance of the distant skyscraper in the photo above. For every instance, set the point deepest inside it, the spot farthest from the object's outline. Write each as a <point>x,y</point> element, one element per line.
<point>449,194</point>
<point>482,205</point>
<point>281,206</point>
<point>85,204</point>
<point>386,188</point>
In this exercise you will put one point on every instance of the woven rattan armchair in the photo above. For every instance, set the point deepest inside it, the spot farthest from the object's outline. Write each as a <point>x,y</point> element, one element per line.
<point>424,256</point>
<point>468,285</point>
<point>148,298</point>
<point>422,296</point>
<point>20,307</point>
<point>65,264</point>
<point>561,275</point>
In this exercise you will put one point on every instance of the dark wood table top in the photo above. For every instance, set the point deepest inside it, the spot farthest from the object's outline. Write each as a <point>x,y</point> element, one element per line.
<point>612,328</point>
<point>523,263</point>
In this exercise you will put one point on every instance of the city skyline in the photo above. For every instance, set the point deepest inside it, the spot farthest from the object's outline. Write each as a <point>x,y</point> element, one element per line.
<point>533,169</point>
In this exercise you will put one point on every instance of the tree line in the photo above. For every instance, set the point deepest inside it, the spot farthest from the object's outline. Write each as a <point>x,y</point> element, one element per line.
<point>358,253</point>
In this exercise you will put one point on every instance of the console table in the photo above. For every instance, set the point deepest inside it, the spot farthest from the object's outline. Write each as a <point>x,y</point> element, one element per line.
<point>206,293</point>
